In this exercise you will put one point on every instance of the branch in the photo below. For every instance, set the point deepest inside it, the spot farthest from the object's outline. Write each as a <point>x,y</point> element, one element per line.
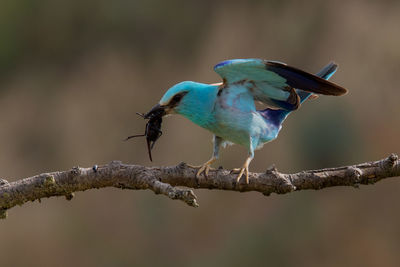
<point>163,180</point>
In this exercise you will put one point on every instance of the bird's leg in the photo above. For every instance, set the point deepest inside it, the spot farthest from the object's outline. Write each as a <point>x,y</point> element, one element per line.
<point>244,169</point>
<point>206,166</point>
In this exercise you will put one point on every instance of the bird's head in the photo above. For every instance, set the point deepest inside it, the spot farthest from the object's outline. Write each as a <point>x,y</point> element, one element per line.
<point>182,98</point>
<point>177,97</point>
<point>172,102</point>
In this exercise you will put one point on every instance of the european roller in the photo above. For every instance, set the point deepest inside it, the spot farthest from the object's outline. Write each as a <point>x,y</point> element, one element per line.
<point>228,109</point>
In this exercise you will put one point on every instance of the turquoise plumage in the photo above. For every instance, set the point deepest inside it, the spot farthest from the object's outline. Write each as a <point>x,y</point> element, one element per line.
<point>228,109</point>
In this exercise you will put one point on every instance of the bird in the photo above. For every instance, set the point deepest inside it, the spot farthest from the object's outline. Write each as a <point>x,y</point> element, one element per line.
<point>227,109</point>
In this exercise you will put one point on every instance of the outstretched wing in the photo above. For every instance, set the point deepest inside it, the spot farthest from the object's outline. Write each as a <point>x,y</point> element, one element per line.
<point>274,83</point>
<point>277,116</point>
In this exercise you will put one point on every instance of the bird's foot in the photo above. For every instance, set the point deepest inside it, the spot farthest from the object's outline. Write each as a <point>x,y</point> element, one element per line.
<point>244,169</point>
<point>205,168</point>
<point>241,171</point>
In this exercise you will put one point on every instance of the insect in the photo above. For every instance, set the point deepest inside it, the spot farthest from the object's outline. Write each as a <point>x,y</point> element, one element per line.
<point>152,130</point>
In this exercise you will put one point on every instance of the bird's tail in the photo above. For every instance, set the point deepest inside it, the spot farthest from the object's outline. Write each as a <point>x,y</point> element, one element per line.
<point>277,116</point>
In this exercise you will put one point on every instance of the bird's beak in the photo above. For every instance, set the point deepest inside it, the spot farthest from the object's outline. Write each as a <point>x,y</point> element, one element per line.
<point>157,111</point>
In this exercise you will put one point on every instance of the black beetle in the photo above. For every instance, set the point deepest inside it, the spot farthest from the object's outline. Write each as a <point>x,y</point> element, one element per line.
<point>153,127</point>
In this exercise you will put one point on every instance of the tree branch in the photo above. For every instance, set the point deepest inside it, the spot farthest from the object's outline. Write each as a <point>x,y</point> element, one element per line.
<point>164,180</point>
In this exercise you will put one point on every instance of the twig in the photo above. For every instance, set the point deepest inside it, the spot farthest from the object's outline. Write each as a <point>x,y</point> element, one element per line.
<point>164,180</point>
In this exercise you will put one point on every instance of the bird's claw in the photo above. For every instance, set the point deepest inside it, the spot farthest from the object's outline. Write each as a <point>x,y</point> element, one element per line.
<point>205,168</point>
<point>241,171</point>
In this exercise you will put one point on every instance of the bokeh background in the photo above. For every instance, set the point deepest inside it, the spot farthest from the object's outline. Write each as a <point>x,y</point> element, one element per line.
<point>73,74</point>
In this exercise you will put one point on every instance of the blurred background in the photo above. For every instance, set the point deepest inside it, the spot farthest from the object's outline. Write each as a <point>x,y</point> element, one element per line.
<point>73,74</point>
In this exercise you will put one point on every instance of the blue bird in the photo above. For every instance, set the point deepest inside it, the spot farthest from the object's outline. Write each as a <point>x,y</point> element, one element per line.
<point>228,109</point>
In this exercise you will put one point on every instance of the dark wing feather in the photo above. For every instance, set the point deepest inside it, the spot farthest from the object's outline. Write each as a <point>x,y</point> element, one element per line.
<point>305,81</point>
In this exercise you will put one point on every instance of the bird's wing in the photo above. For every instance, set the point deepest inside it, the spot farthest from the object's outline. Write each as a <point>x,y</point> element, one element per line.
<point>272,82</point>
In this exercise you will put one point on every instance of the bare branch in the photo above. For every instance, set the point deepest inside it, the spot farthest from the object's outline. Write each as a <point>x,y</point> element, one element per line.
<point>164,180</point>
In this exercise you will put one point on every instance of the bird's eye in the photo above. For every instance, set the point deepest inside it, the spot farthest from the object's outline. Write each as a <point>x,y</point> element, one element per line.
<point>177,98</point>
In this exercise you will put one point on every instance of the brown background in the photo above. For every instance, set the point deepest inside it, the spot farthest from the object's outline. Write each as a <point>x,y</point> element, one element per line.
<point>72,76</point>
